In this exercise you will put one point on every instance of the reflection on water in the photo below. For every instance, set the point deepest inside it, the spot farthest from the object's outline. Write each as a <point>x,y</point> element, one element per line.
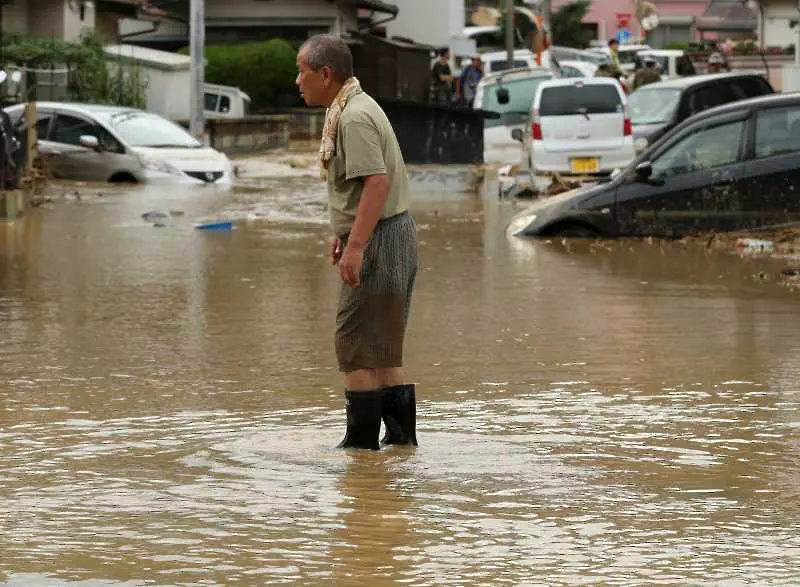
<point>617,414</point>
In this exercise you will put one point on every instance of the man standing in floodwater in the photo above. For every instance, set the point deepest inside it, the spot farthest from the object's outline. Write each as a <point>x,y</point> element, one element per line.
<point>375,244</point>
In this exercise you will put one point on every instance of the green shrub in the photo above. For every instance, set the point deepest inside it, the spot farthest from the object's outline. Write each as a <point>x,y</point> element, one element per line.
<point>262,70</point>
<point>677,46</point>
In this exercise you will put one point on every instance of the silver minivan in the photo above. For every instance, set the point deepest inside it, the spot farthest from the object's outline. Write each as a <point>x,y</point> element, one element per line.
<point>580,127</point>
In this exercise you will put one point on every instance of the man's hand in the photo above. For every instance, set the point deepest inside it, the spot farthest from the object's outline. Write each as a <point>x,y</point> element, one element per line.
<point>336,251</point>
<point>350,265</point>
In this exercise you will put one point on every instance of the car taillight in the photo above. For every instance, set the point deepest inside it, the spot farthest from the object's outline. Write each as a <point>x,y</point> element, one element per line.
<point>536,127</point>
<point>627,127</point>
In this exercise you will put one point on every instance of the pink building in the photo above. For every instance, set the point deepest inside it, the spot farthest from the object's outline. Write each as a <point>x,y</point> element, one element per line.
<point>677,19</point>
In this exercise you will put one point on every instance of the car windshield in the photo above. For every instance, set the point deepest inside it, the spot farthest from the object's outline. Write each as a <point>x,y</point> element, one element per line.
<point>652,106</point>
<point>142,129</point>
<point>520,98</point>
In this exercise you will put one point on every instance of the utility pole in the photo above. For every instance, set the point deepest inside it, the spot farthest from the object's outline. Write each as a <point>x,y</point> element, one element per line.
<point>197,42</point>
<point>545,11</point>
<point>510,33</point>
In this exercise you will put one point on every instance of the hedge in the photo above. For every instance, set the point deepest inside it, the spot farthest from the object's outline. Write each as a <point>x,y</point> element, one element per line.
<point>263,70</point>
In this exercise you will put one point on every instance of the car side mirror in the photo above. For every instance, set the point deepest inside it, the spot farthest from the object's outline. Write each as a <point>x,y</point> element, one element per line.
<point>516,134</point>
<point>90,142</point>
<point>644,171</point>
<point>503,96</point>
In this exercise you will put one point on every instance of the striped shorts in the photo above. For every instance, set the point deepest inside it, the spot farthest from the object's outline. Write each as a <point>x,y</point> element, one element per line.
<point>371,319</point>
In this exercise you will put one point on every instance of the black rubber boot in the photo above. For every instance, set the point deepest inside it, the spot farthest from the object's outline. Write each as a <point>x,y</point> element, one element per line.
<point>363,419</point>
<point>400,414</point>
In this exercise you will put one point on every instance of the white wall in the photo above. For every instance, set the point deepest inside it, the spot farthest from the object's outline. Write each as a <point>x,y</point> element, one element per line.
<point>777,14</point>
<point>433,22</point>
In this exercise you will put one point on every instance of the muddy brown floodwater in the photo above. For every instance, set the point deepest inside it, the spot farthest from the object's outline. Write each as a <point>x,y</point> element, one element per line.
<point>622,415</point>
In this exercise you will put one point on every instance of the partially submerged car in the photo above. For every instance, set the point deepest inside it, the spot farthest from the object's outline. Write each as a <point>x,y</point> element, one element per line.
<point>657,108</point>
<point>92,142</point>
<point>734,167</point>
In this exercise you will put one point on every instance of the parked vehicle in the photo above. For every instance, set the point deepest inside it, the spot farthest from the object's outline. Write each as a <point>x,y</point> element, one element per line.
<point>658,107</point>
<point>494,60</point>
<point>110,143</point>
<point>672,62</point>
<point>509,93</point>
<point>578,127</point>
<point>733,167</point>
<point>627,54</point>
<point>572,68</point>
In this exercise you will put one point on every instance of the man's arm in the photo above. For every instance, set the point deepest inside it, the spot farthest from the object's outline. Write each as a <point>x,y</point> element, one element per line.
<point>370,209</point>
<point>364,159</point>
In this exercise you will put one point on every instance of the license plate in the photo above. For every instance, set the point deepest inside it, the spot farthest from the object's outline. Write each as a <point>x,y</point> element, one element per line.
<point>584,165</point>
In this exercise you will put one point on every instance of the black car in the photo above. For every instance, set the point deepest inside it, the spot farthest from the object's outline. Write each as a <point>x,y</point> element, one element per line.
<point>734,167</point>
<point>656,108</point>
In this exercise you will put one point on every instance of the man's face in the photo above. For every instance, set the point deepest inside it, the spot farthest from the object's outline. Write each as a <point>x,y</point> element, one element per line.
<point>444,58</point>
<point>313,84</point>
<point>476,63</point>
<point>614,47</point>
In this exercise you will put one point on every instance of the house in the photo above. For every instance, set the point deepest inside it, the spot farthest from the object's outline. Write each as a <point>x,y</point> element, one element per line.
<point>680,21</point>
<point>676,19</point>
<point>67,19</point>
<point>778,22</point>
<point>237,21</point>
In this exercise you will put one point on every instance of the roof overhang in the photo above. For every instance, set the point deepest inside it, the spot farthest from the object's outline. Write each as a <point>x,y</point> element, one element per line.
<point>727,15</point>
<point>374,6</point>
<point>136,9</point>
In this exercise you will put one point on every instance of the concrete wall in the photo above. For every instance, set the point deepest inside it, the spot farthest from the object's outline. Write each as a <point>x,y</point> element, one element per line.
<point>305,124</point>
<point>247,135</point>
<point>775,22</point>
<point>15,18</point>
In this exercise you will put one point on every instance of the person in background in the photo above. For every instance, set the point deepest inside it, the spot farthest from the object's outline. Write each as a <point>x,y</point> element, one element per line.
<point>442,78</point>
<point>716,63</point>
<point>604,68</point>
<point>468,82</point>
<point>647,74</point>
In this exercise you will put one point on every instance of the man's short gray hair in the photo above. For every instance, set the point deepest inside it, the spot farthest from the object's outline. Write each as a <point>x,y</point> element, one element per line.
<point>331,51</point>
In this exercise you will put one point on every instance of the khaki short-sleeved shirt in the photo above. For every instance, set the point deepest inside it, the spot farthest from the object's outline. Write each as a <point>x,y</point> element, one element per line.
<point>365,145</point>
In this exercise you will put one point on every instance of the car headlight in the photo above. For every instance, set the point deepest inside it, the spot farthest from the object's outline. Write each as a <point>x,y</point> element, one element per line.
<point>159,166</point>
<point>640,144</point>
<point>519,224</point>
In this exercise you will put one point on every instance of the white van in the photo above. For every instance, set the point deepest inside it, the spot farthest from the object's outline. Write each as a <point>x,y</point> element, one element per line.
<point>520,84</point>
<point>580,127</point>
<point>225,102</point>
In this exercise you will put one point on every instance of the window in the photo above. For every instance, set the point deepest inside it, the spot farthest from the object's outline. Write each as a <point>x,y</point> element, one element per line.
<point>520,97</point>
<point>69,129</point>
<point>684,66</point>
<point>750,87</point>
<point>653,105</point>
<point>569,71</point>
<point>224,104</point>
<point>210,102</point>
<point>142,129</point>
<point>43,125</point>
<point>580,99</point>
<point>705,98</point>
<point>704,149</point>
<point>777,131</point>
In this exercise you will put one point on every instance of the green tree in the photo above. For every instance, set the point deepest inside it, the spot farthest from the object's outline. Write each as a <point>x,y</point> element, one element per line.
<point>565,24</point>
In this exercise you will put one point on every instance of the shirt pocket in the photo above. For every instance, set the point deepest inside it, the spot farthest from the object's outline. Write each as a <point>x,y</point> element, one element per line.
<point>338,167</point>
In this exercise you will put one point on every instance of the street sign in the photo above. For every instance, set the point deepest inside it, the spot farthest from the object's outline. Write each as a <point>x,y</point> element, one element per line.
<point>623,36</point>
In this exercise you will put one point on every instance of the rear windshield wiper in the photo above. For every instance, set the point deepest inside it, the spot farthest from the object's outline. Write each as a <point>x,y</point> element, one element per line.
<point>585,112</point>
